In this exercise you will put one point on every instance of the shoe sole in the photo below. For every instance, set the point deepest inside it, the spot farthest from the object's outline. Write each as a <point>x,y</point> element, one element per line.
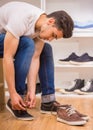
<point>83,93</point>
<point>64,62</point>
<point>48,112</point>
<point>65,92</point>
<point>25,119</point>
<point>78,123</point>
<point>81,63</point>
<point>85,118</point>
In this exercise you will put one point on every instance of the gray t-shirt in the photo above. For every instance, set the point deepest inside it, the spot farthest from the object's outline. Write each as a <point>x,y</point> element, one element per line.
<point>19,18</point>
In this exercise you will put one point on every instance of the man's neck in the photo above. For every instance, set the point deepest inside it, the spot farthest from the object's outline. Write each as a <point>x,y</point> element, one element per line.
<point>42,19</point>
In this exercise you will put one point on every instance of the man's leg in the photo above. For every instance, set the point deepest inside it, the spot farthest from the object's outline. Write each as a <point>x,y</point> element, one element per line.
<point>22,62</point>
<point>2,36</point>
<point>46,74</point>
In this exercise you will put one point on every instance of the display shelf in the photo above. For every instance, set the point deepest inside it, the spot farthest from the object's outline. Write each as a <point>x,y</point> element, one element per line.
<point>82,33</point>
<point>59,65</point>
<point>77,14</point>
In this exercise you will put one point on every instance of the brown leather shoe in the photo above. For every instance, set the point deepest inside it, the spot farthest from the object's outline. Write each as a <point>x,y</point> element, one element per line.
<point>69,116</point>
<point>83,116</point>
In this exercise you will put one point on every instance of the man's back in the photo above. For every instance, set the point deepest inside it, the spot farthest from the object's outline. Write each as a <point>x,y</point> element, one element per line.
<point>19,18</point>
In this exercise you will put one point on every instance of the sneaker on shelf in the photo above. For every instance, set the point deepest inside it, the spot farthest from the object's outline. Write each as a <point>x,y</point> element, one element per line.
<point>87,89</point>
<point>66,60</point>
<point>77,84</point>
<point>69,86</point>
<point>49,108</point>
<point>68,115</point>
<point>19,114</point>
<point>84,59</point>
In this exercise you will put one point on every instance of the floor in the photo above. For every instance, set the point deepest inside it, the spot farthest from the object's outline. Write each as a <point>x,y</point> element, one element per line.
<point>47,121</point>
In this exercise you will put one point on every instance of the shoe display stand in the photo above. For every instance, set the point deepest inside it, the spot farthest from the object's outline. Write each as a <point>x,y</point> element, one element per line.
<point>81,42</point>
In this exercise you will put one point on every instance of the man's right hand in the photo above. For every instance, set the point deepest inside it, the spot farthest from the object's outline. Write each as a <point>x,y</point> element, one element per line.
<point>17,102</point>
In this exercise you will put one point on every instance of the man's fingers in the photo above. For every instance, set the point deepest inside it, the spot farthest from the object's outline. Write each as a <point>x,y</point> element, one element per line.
<point>32,104</point>
<point>22,103</point>
<point>19,106</point>
<point>22,107</point>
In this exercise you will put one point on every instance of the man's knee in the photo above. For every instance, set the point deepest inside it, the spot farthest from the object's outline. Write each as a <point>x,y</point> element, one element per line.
<point>47,50</point>
<point>26,42</point>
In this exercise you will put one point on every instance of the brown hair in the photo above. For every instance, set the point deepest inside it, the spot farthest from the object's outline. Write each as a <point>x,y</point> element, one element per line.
<point>63,22</point>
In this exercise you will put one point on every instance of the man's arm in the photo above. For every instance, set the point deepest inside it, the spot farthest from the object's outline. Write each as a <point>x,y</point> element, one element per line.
<point>32,75</point>
<point>10,48</point>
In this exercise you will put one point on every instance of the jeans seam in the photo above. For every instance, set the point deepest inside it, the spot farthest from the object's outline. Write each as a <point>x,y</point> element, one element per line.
<point>46,75</point>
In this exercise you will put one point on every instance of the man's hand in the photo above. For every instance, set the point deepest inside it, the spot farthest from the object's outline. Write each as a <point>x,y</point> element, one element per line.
<point>30,100</point>
<point>17,102</point>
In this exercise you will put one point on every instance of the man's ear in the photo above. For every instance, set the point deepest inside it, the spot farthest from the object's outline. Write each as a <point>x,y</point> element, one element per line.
<point>51,21</point>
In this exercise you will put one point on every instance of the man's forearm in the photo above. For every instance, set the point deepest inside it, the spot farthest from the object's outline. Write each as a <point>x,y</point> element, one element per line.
<point>32,75</point>
<point>9,74</point>
<point>10,48</point>
<point>34,67</point>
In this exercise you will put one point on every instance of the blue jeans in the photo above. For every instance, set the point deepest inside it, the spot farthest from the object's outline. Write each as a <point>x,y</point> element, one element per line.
<point>22,61</point>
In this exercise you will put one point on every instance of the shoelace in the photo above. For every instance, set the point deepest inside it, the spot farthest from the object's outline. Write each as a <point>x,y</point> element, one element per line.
<point>87,86</point>
<point>73,83</point>
<point>69,109</point>
<point>56,103</point>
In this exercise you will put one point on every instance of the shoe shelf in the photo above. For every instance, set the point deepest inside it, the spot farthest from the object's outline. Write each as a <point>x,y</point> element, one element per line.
<point>74,8</point>
<point>59,65</point>
<point>81,41</point>
<point>82,33</point>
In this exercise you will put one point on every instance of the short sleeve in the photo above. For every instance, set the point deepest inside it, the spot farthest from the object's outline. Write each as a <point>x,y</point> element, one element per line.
<point>16,26</point>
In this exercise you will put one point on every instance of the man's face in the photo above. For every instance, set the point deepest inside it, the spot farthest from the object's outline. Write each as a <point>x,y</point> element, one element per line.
<point>49,32</point>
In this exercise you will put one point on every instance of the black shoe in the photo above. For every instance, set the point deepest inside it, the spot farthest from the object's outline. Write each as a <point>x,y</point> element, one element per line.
<point>71,57</point>
<point>19,114</point>
<point>50,107</point>
<point>38,88</point>
<point>79,83</point>
<point>87,89</point>
<point>83,59</point>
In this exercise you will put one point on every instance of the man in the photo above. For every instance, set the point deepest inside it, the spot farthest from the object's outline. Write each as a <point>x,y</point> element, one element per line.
<point>23,30</point>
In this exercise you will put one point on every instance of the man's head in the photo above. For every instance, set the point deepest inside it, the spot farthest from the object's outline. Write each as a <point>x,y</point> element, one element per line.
<point>57,25</point>
<point>63,22</point>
